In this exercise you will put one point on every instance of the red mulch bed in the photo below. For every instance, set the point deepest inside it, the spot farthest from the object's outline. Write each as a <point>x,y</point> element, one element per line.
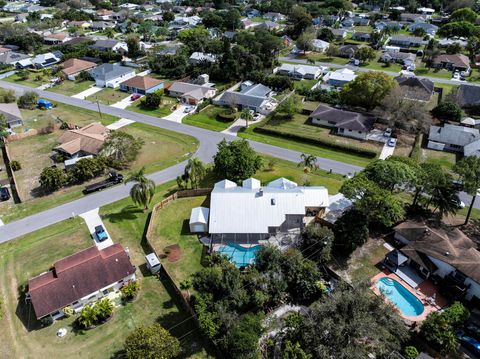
<point>174,253</point>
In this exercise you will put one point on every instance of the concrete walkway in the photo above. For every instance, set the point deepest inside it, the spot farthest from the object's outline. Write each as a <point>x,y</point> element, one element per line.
<point>123,104</point>
<point>120,123</point>
<point>88,92</point>
<point>92,219</point>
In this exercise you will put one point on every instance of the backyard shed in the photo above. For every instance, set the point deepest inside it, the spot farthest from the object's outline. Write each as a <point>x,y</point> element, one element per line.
<point>199,220</point>
<point>153,263</point>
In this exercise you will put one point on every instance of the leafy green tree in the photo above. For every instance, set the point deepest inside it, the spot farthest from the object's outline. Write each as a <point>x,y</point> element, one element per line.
<point>15,165</point>
<point>316,243</point>
<point>151,342</point>
<point>236,160</point>
<point>458,29</point>
<point>464,14</point>
<point>468,169</point>
<point>390,173</point>
<point>332,50</point>
<point>195,171</point>
<point>349,323</point>
<point>231,19</point>
<point>294,351</point>
<point>325,34</point>
<point>367,90</point>
<point>212,19</point>
<point>447,111</point>
<point>196,38</point>
<point>88,168</point>
<point>439,327</point>
<point>350,231</point>
<point>410,352</point>
<point>376,203</point>
<point>445,199</point>
<point>9,96</point>
<point>143,190</point>
<point>290,106</point>
<point>168,16</point>
<point>133,44</point>
<point>109,32</point>
<point>152,100</point>
<point>305,41</point>
<point>104,309</point>
<point>28,100</point>
<point>301,20</point>
<point>52,178</point>
<point>121,149</point>
<point>242,340</point>
<point>365,54</point>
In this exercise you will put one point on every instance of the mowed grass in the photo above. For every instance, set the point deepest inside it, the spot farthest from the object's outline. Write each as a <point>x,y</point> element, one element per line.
<point>165,108</point>
<point>171,228</point>
<point>445,159</point>
<point>108,96</point>
<point>35,253</point>
<point>70,88</point>
<point>31,81</point>
<point>300,125</point>
<point>161,149</point>
<point>208,118</point>
<point>324,58</point>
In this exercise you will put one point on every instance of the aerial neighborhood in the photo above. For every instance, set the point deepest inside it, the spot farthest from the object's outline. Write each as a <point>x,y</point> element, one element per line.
<point>240,179</point>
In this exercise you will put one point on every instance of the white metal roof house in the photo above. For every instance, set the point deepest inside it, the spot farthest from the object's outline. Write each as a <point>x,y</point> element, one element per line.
<point>339,78</point>
<point>111,75</point>
<point>256,97</point>
<point>253,212</point>
<point>199,220</point>
<point>299,72</point>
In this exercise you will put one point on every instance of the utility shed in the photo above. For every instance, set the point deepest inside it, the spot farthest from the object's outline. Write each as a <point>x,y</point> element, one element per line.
<point>199,220</point>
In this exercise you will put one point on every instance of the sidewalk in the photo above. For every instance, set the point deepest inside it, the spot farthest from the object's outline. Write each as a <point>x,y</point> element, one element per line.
<point>88,92</point>
<point>92,219</point>
<point>120,123</point>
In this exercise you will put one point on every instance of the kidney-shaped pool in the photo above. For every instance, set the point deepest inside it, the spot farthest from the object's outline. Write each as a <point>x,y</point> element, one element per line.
<point>400,296</point>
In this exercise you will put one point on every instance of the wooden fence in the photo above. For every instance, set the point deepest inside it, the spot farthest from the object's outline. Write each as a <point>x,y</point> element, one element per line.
<point>11,174</point>
<point>160,254</point>
<point>33,132</point>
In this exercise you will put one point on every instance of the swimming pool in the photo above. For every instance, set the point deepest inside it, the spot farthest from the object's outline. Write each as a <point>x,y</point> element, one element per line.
<point>238,255</point>
<point>400,296</point>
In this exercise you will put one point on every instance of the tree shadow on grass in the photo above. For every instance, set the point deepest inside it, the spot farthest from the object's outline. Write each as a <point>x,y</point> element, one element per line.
<point>127,213</point>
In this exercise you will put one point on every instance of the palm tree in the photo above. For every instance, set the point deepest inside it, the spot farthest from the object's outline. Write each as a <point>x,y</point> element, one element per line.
<point>247,116</point>
<point>310,61</point>
<point>88,316</point>
<point>109,32</point>
<point>309,162</point>
<point>143,190</point>
<point>195,172</point>
<point>104,309</point>
<point>469,171</point>
<point>445,199</point>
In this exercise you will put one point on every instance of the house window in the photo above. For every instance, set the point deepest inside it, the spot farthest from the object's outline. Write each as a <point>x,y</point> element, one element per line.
<point>92,297</point>
<point>105,292</point>
<point>120,281</point>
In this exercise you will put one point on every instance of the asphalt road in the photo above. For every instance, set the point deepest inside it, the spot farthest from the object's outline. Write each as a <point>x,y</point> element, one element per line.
<point>292,58</point>
<point>208,147</point>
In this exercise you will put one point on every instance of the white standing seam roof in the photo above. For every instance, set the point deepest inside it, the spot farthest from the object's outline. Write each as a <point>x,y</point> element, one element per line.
<point>253,210</point>
<point>199,215</point>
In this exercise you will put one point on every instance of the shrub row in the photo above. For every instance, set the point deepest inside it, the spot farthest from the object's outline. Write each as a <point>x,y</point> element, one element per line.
<point>317,141</point>
<point>226,116</point>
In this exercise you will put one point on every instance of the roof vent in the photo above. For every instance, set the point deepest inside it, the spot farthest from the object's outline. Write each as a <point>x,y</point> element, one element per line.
<point>260,192</point>
<point>272,201</point>
<point>447,253</point>
<point>427,232</point>
<point>116,259</point>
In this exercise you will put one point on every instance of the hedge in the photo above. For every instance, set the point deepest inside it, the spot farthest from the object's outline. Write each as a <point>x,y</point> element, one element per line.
<point>317,141</point>
<point>226,116</point>
<point>416,153</point>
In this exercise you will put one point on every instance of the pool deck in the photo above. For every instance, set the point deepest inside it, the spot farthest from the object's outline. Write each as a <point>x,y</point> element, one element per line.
<point>423,292</point>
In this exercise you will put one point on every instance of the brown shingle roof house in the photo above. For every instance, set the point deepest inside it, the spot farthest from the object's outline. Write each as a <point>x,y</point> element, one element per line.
<point>141,85</point>
<point>80,278</point>
<point>452,62</point>
<point>87,140</point>
<point>72,67</point>
<point>442,252</point>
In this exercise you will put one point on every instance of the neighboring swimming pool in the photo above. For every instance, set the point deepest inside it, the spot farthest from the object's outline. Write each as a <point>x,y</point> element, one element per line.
<point>400,296</point>
<point>238,255</point>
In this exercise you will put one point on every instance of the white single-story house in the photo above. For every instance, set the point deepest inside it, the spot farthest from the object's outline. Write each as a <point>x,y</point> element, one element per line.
<point>339,78</point>
<point>79,279</point>
<point>199,220</point>
<point>111,75</point>
<point>299,72</point>
<point>190,93</point>
<point>253,212</point>
<point>455,138</point>
<point>256,97</point>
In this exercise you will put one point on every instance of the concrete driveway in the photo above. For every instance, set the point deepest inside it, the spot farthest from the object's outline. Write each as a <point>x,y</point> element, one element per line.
<point>123,104</point>
<point>387,151</point>
<point>88,92</point>
<point>120,123</point>
<point>179,114</point>
<point>92,219</point>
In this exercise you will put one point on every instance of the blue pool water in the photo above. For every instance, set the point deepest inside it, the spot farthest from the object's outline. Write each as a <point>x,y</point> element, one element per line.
<point>396,293</point>
<point>238,255</point>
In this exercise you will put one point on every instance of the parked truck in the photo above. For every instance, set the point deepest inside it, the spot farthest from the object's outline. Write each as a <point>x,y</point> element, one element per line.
<point>112,179</point>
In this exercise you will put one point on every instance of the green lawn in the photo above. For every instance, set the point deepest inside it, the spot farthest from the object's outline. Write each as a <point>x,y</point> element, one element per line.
<point>208,118</point>
<point>380,66</point>
<point>325,58</point>
<point>163,110</point>
<point>424,71</point>
<point>161,149</point>
<point>171,228</point>
<point>445,159</point>
<point>301,126</point>
<point>108,96</point>
<point>30,81</point>
<point>304,84</point>
<point>70,88</point>
<point>35,253</point>
<point>447,88</point>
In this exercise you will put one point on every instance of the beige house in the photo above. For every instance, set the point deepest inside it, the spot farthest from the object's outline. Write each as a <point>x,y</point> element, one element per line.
<point>83,142</point>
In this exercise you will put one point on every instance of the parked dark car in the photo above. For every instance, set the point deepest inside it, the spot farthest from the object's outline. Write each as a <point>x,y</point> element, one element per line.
<point>468,342</point>
<point>4,194</point>
<point>100,233</point>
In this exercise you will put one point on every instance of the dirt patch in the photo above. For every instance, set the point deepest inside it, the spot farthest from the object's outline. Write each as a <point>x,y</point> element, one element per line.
<point>173,252</point>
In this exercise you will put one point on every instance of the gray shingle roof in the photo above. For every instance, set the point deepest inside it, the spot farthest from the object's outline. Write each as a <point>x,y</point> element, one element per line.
<point>343,119</point>
<point>468,95</point>
<point>453,135</point>
<point>107,72</point>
